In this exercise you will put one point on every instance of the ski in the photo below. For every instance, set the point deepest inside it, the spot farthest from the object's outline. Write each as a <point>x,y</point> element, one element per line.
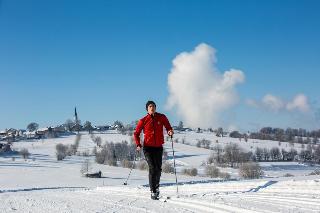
<point>164,198</point>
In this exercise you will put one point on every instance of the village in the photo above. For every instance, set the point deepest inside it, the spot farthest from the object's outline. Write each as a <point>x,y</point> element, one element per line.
<point>70,127</point>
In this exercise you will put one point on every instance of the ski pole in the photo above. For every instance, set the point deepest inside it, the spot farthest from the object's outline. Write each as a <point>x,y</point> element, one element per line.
<point>174,165</point>
<point>134,161</point>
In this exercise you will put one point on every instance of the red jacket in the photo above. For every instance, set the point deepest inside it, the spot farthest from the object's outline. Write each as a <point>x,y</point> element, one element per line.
<point>152,127</point>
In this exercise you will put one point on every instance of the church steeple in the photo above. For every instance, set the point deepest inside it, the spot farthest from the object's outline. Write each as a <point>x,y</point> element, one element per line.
<point>75,115</point>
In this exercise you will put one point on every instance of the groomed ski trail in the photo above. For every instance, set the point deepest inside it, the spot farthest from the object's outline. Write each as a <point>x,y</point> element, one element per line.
<point>284,196</point>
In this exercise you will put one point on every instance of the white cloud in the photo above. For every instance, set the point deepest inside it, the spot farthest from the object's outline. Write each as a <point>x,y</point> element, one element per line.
<point>300,103</point>
<point>197,90</point>
<point>272,102</point>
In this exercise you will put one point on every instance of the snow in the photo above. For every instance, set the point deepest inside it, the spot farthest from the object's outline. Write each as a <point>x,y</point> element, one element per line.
<point>281,196</point>
<point>43,129</point>
<point>251,145</point>
<point>43,184</point>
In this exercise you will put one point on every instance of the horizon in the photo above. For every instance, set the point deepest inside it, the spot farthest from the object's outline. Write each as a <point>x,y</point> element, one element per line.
<point>130,122</point>
<point>237,65</point>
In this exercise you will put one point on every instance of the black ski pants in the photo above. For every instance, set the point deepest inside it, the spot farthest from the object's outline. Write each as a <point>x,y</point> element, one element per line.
<point>153,157</point>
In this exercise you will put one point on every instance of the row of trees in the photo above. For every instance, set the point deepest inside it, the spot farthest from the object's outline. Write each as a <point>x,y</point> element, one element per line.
<point>232,155</point>
<point>290,132</point>
<point>111,153</point>
<point>284,135</point>
<point>309,155</point>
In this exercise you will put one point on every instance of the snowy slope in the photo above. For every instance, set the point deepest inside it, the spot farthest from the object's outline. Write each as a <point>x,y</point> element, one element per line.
<point>43,184</point>
<point>251,145</point>
<point>243,196</point>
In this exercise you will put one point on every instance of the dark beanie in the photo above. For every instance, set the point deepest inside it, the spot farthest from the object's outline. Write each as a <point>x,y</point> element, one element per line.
<point>150,102</point>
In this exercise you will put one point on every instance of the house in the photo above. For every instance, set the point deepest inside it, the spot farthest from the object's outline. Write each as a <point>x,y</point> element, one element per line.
<point>21,132</point>
<point>11,135</point>
<point>59,130</point>
<point>12,132</point>
<point>42,131</point>
<point>47,132</point>
<point>102,128</point>
<point>3,134</point>
<point>31,135</point>
<point>181,129</point>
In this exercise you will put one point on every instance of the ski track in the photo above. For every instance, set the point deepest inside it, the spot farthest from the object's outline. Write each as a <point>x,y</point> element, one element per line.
<point>120,199</point>
<point>196,195</point>
<point>287,199</point>
<point>281,203</point>
<point>123,199</point>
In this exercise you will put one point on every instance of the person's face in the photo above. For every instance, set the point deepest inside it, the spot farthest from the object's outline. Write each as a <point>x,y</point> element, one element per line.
<point>151,109</point>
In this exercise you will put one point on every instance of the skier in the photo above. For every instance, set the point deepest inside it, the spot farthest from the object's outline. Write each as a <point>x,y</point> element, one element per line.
<point>152,125</point>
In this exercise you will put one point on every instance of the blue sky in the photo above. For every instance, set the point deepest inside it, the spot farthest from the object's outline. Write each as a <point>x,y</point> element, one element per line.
<point>109,57</point>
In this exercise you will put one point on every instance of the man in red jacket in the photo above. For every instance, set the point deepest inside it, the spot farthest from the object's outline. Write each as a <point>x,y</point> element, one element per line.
<point>152,125</point>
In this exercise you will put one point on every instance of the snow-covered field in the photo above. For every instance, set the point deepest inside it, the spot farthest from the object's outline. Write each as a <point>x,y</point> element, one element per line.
<point>43,184</point>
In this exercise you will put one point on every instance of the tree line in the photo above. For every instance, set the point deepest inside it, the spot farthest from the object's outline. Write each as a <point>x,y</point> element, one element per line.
<point>284,135</point>
<point>232,155</point>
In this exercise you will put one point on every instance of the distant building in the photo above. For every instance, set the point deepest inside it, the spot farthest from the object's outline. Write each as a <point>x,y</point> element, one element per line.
<point>12,132</point>
<point>3,133</point>
<point>31,135</point>
<point>102,128</point>
<point>60,130</point>
<point>77,126</point>
<point>46,132</point>
<point>181,129</point>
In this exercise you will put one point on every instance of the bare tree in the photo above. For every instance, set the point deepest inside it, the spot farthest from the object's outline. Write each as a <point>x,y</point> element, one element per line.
<point>97,141</point>
<point>32,126</point>
<point>219,132</point>
<point>231,154</point>
<point>212,171</point>
<point>266,154</point>
<point>118,125</point>
<point>190,172</point>
<point>69,124</point>
<point>250,170</point>
<point>61,151</point>
<point>24,153</point>
<point>73,148</point>
<point>142,165</point>
<point>292,154</point>
<point>275,153</point>
<point>167,167</point>
<point>88,127</point>
<point>180,126</point>
<point>317,155</point>
<point>204,143</point>
<point>259,154</point>
<point>218,153</point>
